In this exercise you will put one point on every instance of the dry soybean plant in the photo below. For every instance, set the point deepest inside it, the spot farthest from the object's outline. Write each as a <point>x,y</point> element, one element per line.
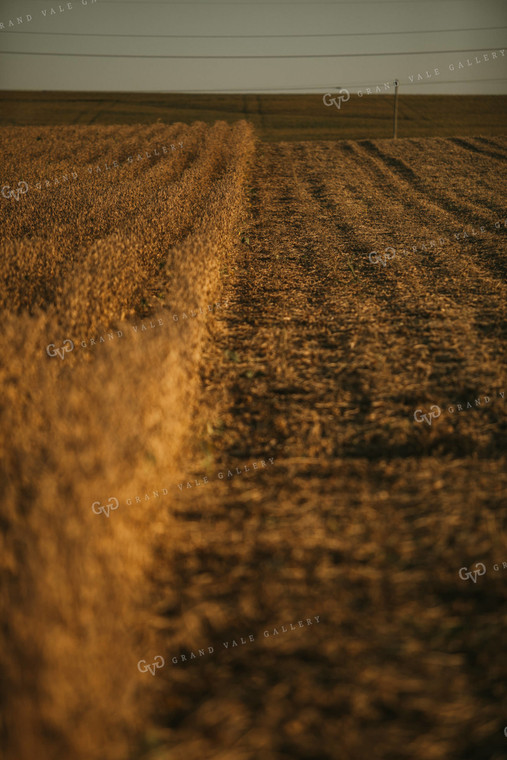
<point>95,255</point>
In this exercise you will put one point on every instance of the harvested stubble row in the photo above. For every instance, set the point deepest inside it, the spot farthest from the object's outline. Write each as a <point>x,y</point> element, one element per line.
<point>80,259</point>
<point>367,516</point>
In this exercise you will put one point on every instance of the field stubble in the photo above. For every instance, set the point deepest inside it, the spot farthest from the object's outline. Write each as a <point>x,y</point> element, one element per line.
<point>368,516</point>
<point>320,361</point>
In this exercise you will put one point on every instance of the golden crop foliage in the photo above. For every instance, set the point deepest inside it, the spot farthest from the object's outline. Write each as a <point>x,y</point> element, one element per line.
<point>79,259</point>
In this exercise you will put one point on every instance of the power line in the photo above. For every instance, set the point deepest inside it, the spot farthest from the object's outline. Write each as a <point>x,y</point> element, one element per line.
<point>255,57</point>
<point>261,36</point>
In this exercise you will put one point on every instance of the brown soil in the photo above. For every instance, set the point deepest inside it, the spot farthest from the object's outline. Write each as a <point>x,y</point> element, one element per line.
<point>366,516</point>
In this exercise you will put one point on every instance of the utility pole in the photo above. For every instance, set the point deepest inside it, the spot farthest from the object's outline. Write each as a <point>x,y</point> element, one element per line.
<point>395,114</point>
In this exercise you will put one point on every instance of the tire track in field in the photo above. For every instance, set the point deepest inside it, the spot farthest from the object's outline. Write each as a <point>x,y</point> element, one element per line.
<point>470,145</point>
<point>425,275</point>
<point>490,247</point>
<point>464,175</point>
<point>493,144</point>
<point>396,170</point>
<point>429,307</point>
<point>381,204</point>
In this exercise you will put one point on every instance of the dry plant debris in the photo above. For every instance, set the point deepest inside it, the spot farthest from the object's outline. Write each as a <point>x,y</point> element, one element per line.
<point>320,361</point>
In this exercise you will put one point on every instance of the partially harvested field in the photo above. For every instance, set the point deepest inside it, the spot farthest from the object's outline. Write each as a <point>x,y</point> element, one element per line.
<point>362,285</point>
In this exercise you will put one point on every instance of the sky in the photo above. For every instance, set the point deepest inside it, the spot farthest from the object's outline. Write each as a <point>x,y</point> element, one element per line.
<point>254,45</point>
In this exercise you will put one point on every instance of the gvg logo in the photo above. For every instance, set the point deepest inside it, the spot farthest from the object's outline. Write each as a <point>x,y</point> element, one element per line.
<point>342,97</point>
<point>428,418</point>
<point>67,347</point>
<point>21,189</point>
<point>143,666</point>
<point>466,574</point>
<point>381,258</point>
<point>112,504</point>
